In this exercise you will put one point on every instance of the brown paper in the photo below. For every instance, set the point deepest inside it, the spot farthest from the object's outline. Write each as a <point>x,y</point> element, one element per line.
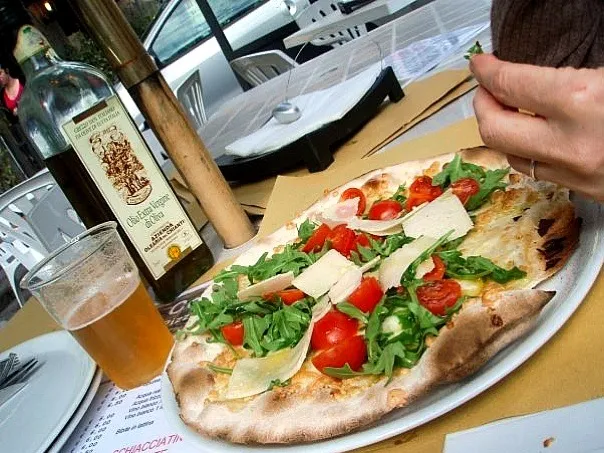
<point>455,93</point>
<point>428,95</point>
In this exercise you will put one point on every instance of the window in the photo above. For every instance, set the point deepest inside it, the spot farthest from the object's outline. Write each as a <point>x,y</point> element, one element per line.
<point>228,11</point>
<point>186,25</point>
<point>183,29</point>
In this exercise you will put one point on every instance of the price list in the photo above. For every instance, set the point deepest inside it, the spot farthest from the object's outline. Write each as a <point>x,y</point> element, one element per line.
<point>126,422</point>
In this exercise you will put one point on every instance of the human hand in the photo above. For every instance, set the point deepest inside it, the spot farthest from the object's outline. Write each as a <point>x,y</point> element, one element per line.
<point>566,135</point>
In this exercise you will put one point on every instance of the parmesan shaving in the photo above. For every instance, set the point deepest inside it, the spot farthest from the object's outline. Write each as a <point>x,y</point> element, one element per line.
<point>393,267</point>
<point>345,285</point>
<point>438,217</point>
<point>317,279</point>
<point>270,285</point>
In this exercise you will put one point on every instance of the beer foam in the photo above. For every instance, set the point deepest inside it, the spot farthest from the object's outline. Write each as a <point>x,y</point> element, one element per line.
<point>100,304</point>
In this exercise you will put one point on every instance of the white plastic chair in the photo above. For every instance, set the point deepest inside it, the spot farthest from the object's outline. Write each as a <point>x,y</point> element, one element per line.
<point>259,67</point>
<point>317,11</point>
<point>190,96</point>
<point>35,219</point>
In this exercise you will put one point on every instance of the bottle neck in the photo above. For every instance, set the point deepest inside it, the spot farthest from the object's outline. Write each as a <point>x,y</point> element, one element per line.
<point>39,61</point>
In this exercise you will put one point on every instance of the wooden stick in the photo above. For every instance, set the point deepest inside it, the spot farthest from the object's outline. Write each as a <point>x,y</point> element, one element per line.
<point>165,115</point>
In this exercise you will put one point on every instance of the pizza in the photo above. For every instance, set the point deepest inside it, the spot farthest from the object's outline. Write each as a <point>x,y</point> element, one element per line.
<point>404,279</point>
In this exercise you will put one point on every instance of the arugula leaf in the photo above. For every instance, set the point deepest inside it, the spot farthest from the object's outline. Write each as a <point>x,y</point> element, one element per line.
<point>409,275</point>
<point>348,309</point>
<point>457,169</point>
<point>452,245</point>
<point>305,230</point>
<point>254,329</point>
<point>218,369</point>
<point>290,259</point>
<point>476,49</point>
<point>277,383</point>
<point>489,180</point>
<point>389,245</point>
<point>474,267</point>
<point>492,182</point>
<point>399,195</point>
<point>387,351</point>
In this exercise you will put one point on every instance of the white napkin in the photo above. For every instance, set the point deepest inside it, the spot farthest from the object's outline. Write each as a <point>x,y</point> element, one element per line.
<point>318,108</point>
<point>571,429</point>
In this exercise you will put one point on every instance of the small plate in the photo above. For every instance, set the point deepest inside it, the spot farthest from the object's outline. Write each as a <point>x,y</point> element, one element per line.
<point>78,414</point>
<point>52,396</point>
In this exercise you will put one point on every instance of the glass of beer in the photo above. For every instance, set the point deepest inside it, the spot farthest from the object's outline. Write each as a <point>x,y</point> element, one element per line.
<point>92,288</point>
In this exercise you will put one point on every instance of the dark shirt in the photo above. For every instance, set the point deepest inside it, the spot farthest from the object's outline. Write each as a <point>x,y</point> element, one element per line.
<point>549,32</point>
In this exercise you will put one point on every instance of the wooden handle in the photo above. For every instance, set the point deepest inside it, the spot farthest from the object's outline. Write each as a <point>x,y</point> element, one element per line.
<point>191,158</point>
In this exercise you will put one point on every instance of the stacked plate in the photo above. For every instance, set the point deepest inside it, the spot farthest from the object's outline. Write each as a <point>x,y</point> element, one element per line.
<point>41,417</point>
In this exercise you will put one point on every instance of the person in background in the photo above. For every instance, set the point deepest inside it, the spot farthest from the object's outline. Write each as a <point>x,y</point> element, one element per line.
<point>548,60</point>
<point>12,89</point>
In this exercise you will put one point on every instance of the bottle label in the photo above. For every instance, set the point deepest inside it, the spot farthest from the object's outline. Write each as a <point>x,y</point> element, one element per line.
<point>125,172</point>
<point>29,42</point>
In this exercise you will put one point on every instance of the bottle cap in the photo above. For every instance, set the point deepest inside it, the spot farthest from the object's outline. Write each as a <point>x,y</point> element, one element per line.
<point>29,42</point>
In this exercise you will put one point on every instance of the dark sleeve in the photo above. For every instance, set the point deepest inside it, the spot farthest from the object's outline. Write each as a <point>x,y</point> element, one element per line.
<point>549,32</point>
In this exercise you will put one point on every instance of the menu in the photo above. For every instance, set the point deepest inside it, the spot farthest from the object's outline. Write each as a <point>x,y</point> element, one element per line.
<point>126,422</point>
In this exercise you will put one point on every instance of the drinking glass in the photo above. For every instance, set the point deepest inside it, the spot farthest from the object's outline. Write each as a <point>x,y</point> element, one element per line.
<point>92,288</point>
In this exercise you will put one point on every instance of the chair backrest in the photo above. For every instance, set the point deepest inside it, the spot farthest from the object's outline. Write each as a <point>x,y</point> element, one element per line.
<point>319,10</point>
<point>53,219</point>
<point>190,96</point>
<point>35,214</point>
<point>259,67</point>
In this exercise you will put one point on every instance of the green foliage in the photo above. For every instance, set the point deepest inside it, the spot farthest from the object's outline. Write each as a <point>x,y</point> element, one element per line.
<point>8,175</point>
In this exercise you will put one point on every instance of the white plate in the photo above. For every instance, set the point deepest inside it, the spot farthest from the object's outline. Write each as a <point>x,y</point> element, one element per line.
<point>78,414</point>
<point>32,420</point>
<point>571,284</point>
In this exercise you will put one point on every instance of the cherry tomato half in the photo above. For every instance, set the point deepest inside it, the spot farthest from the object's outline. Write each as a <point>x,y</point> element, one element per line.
<point>233,333</point>
<point>316,241</point>
<point>464,188</point>
<point>367,295</point>
<point>362,240</point>
<point>385,210</point>
<point>342,239</point>
<point>332,329</point>
<point>355,193</point>
<point>438,295</point>
<point>438,272</point>
<point>351,351</point>
<point>288,296</point>
<point>422,191</point>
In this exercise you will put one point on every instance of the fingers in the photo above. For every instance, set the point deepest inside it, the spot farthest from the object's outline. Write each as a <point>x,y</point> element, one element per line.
<point>514,133</point>
<point>532,88</point>
<point>560,175</point>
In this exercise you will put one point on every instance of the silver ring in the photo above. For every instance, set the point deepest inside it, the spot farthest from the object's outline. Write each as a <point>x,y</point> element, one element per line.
<point>532,169</point>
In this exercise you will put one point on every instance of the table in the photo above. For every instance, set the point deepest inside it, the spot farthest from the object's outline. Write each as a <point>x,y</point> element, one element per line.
<point>249,111</point>
<point>335,22</point>
<point>549,379</point>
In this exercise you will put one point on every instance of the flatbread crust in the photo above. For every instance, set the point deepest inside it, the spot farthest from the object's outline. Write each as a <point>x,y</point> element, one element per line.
<point>481,329</point>
<point>532,225</point>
